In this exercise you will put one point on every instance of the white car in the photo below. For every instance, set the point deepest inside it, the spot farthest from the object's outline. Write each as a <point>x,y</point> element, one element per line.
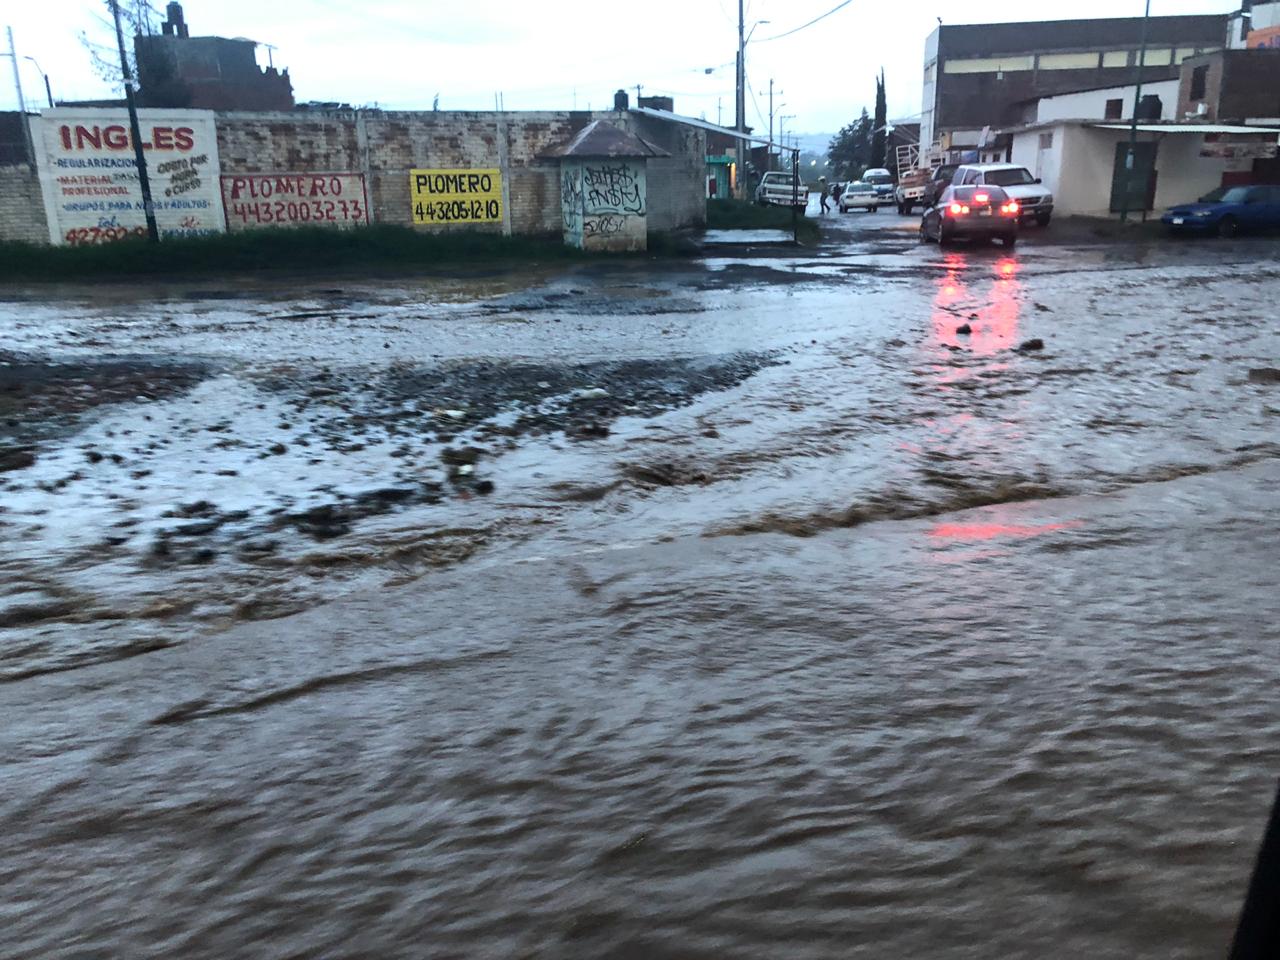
<point>859,196</point>
<point>1016,181</point>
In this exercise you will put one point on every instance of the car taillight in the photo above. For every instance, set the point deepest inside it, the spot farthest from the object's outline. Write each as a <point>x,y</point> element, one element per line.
<point>957,210</point>
<point>982,198</point>
<point>1011,208</point>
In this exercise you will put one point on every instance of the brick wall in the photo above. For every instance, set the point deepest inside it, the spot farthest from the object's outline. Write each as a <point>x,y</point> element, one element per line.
<point>21,206</point>
<point>385,146</point>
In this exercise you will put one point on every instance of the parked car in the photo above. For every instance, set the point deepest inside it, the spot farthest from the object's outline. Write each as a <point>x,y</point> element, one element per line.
<point>1227,212</point>
<point>972,213</point>
<point>939,181</point>
<point>882,180</point>
<point>859,196</point>
<point>776,189</point>
<point>1036,203</point>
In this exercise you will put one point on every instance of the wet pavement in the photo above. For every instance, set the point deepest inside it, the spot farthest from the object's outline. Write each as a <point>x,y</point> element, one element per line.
<point>736,607</point>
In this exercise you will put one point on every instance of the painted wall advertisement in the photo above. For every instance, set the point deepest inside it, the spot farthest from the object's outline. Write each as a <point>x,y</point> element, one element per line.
<point>256,200</point>
<point>1268,38</point>
<point>441,197</point>
<point>89,176</point>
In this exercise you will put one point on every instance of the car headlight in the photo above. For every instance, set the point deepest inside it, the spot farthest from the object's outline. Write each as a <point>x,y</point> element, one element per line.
<point>1203,213</point>
<point>1048,198</point>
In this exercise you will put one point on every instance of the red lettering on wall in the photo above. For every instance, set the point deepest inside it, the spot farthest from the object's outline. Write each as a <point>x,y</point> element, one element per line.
<point>115,138</point>
<point>184,138</point>
<point>162,138</point>
<point>92,137</point>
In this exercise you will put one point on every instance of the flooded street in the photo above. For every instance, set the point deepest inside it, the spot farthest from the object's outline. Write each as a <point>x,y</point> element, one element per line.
<point>730,607</point>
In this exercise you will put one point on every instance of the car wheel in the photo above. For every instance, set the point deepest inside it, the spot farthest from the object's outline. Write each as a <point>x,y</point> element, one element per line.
<point>924,234</point>
<point>944,237</point>
<point>1043,219</point>
<point>873,209</point>
<point>1228,227</point>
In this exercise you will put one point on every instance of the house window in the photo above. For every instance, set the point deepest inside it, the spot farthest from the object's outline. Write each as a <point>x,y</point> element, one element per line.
<point>1046,141</point>
<point>1199,79</point>
<point>1115,58</point>
<point>1115,109</point>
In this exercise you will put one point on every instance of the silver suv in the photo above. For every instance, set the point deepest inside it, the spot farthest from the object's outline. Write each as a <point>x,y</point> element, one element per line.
<point>1016,181</point>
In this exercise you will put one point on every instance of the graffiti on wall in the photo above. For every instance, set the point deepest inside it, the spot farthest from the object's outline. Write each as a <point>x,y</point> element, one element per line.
<point>89,174</point>
<point>571,200</point>
<point>604,225</point>
<point>255,200</point>
<point>613,187</point>
<point>441,197</point>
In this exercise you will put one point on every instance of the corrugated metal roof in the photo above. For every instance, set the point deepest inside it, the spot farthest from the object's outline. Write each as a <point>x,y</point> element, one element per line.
<point>700,124</point>
<point>1185,128</point>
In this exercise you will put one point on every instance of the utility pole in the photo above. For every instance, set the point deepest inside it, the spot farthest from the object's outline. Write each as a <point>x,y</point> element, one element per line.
<point>770,123</point>
<point>22,103</point>
<point>135,129</point>
<point>1131,159</point>
<point>743,152</point>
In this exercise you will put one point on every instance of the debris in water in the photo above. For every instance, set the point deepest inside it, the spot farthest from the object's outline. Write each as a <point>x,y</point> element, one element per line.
<point>1028,345</point>
<point>1264,375</point>
<point>964,330</point>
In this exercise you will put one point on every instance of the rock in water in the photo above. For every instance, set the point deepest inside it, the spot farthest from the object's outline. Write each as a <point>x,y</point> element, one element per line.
<point>1264,375</point>
<point>1029,345</point>
<point>964,329</point>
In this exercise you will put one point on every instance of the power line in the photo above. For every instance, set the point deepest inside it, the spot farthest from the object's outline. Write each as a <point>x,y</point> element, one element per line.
<point>805,26</point>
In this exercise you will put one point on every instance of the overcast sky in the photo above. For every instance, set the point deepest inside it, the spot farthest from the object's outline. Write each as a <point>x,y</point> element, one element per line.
<point>555,54</point>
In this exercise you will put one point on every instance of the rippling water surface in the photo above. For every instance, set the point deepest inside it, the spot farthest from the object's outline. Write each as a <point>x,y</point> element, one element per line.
<point>911,644</point>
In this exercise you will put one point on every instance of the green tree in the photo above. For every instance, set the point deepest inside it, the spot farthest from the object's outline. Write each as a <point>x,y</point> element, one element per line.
<point>879,137</point>
<point>850,149</point>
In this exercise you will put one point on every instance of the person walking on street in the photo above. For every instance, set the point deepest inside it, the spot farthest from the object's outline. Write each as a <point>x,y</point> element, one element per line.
<point>825,193</point>
<point>836,193</point>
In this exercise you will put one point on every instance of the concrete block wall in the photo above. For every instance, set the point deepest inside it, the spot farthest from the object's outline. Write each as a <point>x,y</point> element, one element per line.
<point>677,184</point>
<point>22,214</point>
<point>385,146</point>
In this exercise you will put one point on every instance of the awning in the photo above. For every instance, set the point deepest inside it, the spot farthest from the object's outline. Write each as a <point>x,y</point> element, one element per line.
<point>1185,128</point>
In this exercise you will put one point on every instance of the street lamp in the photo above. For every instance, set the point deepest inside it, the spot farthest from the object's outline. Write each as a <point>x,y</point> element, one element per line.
<point>743,151</point>
<point>48,92</point>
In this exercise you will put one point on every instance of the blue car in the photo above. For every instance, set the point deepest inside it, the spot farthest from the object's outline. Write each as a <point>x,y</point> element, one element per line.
<point>1228,211</point>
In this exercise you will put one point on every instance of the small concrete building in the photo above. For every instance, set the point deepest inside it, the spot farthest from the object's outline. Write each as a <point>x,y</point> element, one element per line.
<point>604,191</point>
<point>1082,162</point>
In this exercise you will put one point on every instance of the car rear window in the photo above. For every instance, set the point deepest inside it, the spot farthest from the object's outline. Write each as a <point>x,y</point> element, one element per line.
<point>1009,178</point>
<point>861,188</point>
<point>969,194</point>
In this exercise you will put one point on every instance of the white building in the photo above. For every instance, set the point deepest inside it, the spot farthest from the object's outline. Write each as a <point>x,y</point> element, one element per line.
<point>1078,160</point>
<point>1107,103</point>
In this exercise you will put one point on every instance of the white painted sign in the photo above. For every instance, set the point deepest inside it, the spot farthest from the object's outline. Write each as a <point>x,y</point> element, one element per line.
<point>89,176</point>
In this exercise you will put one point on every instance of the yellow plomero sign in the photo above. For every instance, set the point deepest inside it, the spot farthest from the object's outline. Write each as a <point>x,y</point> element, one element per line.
<point>455,196</point>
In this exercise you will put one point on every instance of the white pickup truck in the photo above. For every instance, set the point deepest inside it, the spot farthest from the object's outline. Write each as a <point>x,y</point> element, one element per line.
<point>777,189</point>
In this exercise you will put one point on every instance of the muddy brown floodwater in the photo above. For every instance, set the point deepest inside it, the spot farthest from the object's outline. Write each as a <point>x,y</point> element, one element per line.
<point>731,608</point>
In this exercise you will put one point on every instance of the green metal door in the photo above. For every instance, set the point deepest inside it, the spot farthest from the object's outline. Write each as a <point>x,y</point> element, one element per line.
<point>1140,181</point>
